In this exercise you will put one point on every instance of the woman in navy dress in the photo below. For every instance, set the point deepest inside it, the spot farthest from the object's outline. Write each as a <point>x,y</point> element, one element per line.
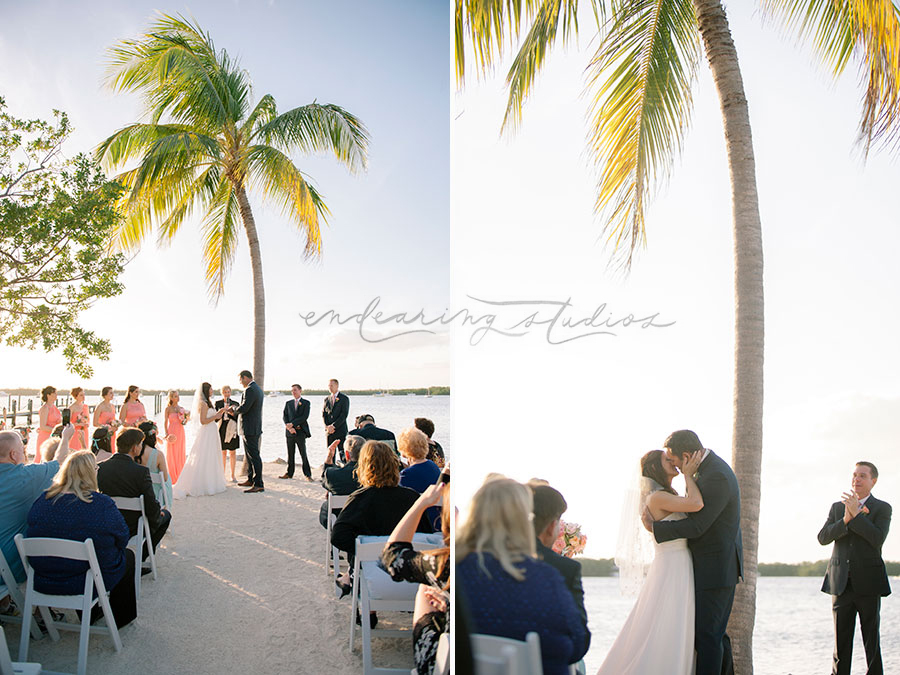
<point>508,591</point>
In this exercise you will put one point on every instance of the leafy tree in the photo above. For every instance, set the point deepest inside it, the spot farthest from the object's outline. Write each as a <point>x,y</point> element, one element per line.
<point>56,218</point>
<point>212,149</point>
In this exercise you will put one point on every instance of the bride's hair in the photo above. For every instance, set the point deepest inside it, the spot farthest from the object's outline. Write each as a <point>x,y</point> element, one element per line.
<point>652,468</point>
<point>206,393</point>
<point>499,523</point>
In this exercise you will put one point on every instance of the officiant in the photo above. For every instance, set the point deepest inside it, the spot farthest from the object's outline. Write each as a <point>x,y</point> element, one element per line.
<point>228,430</point>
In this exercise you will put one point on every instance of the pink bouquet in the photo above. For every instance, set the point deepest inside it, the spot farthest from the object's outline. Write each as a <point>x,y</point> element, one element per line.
<point>570,541</point>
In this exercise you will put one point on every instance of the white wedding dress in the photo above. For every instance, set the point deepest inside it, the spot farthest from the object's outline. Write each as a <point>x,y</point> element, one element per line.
<point>658,636</point>
<point>202,473</point>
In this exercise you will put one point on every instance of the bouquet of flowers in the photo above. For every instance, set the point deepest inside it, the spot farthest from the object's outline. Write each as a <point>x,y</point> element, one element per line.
<point>184,415</point>
<point>570,541</point>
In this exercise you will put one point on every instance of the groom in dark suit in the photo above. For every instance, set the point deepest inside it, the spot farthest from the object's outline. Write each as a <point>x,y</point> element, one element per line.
<point>856,577</point>
<point>250,413</point>
<point>296,430</point>
<point>334,413</point>
<point>714,537</point>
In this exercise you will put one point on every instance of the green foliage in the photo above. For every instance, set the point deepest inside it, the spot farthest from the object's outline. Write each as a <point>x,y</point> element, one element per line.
<point>597,567</point>
<point>56,217</point>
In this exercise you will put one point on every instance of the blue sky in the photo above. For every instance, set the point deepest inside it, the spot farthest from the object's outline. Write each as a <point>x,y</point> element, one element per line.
<point>389,231</point>
<point>581,414</point>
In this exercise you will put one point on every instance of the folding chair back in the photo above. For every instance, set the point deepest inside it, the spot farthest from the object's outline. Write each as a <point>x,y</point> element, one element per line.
<point>71,550</point>
<point>9,586</point>
<point>136,504</point>
<point>332,554</point>
<point>157,479</point>
<point>502,656</point>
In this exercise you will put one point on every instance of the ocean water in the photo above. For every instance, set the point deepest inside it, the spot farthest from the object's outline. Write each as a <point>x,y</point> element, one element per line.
<point>390,412</point>
<point>793,636</point>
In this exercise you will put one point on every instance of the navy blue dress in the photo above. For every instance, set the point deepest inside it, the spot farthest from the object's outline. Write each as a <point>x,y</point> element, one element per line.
<point>419,477</point>
<point>67,517</point>
<point>499,605</point>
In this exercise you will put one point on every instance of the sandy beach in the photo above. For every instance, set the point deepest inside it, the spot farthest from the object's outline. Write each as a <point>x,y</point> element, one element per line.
<point>241,588</point>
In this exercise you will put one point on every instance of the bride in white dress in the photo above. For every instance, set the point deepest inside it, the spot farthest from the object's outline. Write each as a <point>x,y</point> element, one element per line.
<point>658,636</point>
<point>202,473</point>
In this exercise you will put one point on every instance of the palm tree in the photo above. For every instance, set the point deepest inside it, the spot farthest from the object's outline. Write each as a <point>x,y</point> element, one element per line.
<point>641,80</point>
<point>203,148</point>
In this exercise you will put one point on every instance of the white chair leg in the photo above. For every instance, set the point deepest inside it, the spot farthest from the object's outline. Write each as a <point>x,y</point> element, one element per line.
<point>327,542</point>
<point>150,553</point>
<point>354,606</point>
<point>85,632</point>
<point>110,621</point>
<point>27,618</point>
<point>366,635</point>
<point>48,622</point>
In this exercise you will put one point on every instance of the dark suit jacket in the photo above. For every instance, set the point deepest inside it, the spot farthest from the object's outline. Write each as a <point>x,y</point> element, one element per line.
<point>372,433</point>
<point>337,414</point>
<point>857,549</point>
<point>251,410</point>
<point>121,476</point>
<point>340,480</point>
<point>571,572</point>
<point>235,443</point>
<point>713,532</point>
<point>298,416</point>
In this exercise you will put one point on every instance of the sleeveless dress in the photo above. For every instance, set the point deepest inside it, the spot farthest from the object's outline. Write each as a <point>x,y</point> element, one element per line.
<point>175,449</point>
<point>658,635</point>
<point>80,439</point>
<point>135,412</point>
<point>54,417</point>
<point>106,419</point>
<point>157,488</point>
<point>202,473</point>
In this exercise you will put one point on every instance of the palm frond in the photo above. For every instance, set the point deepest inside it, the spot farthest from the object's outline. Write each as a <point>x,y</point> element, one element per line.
<point>319,128</point>
<point>533,52</point>
<point>220,228</point>
<point>132,141</point>
<point>264,112</point>
<point>185,200</point>
<point>285,184</point>
<point>640,80</point>
<point>867,31</point>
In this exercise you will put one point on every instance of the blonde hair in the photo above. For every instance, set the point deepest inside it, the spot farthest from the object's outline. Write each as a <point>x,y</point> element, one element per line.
<point>499,523</point>
<point>172,392</point>
<point>78,475</point>
<point>413,443</point>
<point>378,465</point>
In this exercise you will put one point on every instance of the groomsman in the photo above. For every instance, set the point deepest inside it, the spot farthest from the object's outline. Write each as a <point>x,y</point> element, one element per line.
<point>296,430</point>
<point>856,577</point>
<point>335,411</point>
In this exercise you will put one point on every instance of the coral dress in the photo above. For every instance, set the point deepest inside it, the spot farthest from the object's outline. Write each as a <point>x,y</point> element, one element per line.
<point>54,417</point>
<point>175,449</point>
<point>134,414</point>
<point>107,417</point>
<point>82,424</point>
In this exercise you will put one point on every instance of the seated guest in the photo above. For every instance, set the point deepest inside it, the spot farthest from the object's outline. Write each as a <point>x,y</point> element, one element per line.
<point>377,507</point>
<point>340,480</point>
<point>73,509</point>
<point>435,451</point>
<point>20,485</point>
<point>420,472</point>
<point>365,427</point>
<point>101,445</point>
<point>549,505</point>
<point>403,563</point>
<point>155,461</point>
<point>122,476</point>
<point>509,592</point>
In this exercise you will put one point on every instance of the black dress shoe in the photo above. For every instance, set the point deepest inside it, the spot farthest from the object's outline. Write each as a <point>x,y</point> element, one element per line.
<point>146,570</point>
<point>255,488</point>
<point>373,619</point>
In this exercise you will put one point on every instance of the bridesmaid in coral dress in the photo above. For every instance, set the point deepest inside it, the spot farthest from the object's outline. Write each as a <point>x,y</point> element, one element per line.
<point>48,417</point>
<point>175,419</point>
<point>132,412</point>
<point>80,419</point>
<point>105,415</point>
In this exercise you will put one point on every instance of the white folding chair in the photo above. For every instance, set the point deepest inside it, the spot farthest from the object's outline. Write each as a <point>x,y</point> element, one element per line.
<point>9,586</point>
<point>373,590</point>
<point>136,543</point>
<point>7,667</point>
<point>71,550</point>
<point>157,479</point>
<point>332,554</point>
<point>502,656</point>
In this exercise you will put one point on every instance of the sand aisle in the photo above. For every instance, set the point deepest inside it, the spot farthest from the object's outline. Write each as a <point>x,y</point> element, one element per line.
<point>241,588</point>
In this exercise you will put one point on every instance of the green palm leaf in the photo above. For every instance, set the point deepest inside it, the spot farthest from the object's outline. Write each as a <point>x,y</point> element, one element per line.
<point>640,80</point>
<point>220,228</point>
<point>867,31</point>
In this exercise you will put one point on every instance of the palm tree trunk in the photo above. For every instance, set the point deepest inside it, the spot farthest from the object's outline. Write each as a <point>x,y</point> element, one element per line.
<point>749,324</point>
<point>259,291</point>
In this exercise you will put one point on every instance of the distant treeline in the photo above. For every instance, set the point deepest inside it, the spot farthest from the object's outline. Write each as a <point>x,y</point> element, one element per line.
<point>606,567</point>
<point>421,391</point>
